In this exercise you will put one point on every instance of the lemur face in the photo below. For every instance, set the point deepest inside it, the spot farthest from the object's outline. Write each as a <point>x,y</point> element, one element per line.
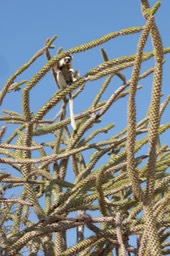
<point>66,61</point>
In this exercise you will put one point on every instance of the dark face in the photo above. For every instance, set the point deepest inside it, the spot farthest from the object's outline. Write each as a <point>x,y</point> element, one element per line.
<point>68,59</point>
<point>65,62</point>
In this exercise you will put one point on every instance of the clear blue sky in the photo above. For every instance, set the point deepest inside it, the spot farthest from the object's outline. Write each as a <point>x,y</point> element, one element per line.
<point>25,25</point>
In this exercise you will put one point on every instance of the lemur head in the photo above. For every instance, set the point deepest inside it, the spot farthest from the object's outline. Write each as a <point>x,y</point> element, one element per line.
<point>65,62</point>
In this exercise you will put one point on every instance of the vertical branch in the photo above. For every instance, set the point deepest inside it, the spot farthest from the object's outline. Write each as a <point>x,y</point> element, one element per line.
<point>154,115</point>
<point>59,237</point>
<point>119,234</point>
<point>154,121</point>
<point>26,169</point>
<point>133,175</point>
<point>100,194</point>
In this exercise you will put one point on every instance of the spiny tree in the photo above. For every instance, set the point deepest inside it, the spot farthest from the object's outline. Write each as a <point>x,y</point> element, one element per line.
<point>110,205</point>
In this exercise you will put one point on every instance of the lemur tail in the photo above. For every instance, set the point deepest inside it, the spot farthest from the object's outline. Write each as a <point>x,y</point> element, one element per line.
<point>73,122</point>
